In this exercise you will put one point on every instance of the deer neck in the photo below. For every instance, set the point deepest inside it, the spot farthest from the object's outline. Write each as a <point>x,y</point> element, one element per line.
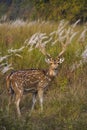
<point>52,72</point>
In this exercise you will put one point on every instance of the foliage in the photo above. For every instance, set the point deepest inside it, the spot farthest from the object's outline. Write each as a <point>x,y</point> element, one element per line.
<point>65,104</point>
<point>53,10</point>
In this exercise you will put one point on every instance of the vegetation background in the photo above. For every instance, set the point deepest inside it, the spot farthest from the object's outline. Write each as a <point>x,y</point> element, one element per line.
<point>65,104</point>
<point>71,10</point>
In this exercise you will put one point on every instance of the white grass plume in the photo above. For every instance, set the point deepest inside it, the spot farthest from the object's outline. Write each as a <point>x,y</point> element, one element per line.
<point>15,50</point>
<point>7,68</point>
<point>2,58</point>
<point>84,55</point>
<point>82,36</point>
<point>37,39</point>
<point>80,62</point>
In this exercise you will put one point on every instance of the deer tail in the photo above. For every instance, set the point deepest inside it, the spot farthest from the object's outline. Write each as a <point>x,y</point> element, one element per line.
<point>8,84</point>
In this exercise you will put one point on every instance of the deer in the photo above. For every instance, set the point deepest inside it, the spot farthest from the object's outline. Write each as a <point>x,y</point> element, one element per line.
<point>35,81</point>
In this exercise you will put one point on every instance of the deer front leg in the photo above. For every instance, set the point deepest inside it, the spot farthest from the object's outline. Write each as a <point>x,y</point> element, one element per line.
<point>33,104</point>
<point>40,94</point>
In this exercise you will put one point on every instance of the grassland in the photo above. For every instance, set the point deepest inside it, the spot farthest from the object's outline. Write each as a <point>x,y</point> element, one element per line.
<point>65,103</point>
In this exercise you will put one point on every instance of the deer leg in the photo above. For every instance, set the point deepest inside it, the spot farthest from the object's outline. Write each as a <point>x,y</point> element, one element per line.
<point>17,101</point>
<point>34,101</point>
<point>40,94</point>
<point>18,95</point>
<point>10,101</point>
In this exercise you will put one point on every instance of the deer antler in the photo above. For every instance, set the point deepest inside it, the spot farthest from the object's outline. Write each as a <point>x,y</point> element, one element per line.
<point>41,45</point>
<point>64,45</point>
<point>43,50</point>
<point>63,49</point>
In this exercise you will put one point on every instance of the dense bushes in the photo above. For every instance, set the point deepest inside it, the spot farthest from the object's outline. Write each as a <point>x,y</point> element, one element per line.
<point>53,10</point>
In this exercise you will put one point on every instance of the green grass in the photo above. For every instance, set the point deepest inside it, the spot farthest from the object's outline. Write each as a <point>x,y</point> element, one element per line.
<point>65,104</point>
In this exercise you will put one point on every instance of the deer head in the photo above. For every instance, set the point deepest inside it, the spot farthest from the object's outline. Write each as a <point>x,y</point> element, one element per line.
<point>53,63</point>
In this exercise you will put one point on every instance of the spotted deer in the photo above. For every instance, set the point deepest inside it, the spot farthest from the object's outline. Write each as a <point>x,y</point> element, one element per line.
<point>34,81</point>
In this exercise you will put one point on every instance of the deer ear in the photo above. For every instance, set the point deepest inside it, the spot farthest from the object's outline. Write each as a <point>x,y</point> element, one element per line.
<point>48,60</point>
<point>61,60</point>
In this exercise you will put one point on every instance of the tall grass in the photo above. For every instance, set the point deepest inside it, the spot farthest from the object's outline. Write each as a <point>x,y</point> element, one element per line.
<point>65,105</point>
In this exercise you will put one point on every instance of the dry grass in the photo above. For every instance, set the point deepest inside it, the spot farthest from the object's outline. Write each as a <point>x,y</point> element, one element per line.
<point>65,104</point>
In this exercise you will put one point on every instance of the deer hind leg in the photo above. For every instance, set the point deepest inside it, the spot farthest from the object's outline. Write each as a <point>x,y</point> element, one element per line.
<point>17,102</point>
<point>40,94</point>
<point>18,95</point>
<point>11,97</point>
